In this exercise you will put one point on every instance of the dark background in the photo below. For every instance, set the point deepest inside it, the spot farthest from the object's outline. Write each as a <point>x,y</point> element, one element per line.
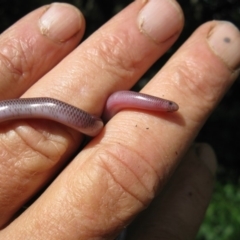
<point>222,130</point>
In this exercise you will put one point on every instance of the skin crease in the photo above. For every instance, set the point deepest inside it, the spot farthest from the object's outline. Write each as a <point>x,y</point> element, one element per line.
<point>137,154</point>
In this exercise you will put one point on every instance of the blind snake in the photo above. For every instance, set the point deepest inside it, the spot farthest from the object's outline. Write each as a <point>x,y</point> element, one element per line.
<point>49,108</point>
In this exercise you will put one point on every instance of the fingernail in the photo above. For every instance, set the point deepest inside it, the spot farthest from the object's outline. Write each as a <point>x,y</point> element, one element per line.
<point>224,40</point>
<point>60,22</point>
<point>160,19</point>
<point>207,155</point>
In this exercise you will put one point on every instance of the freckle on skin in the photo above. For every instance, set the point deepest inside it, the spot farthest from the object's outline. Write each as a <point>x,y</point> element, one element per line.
<point>227,40</point>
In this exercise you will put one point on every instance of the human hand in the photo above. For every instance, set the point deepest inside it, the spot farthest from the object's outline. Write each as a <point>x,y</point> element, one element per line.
<point>120,171</point>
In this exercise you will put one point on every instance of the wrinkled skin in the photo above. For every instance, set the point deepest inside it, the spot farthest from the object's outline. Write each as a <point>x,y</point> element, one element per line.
<point>140,160</point>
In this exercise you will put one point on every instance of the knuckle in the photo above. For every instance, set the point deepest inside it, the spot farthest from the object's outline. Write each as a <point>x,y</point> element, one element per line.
<point>193,82</point>
<point>15,59</point>
<point>114,160</point>
<point>27,155</point>
<point>31,149</point>
<point>106,179</point>
<point>113,56</point>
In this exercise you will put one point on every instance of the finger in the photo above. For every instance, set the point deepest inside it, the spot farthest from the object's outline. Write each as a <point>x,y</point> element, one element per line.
<point>28,50</point>
<point>35,44</point>
<point>146,148</point>
<point>178,211</point>
<point>113,57</point>
<point>120,171</point>
<point>109,58</point>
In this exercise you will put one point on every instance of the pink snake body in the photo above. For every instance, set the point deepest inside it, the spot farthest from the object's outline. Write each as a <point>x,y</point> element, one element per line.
<point>49,108</point>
